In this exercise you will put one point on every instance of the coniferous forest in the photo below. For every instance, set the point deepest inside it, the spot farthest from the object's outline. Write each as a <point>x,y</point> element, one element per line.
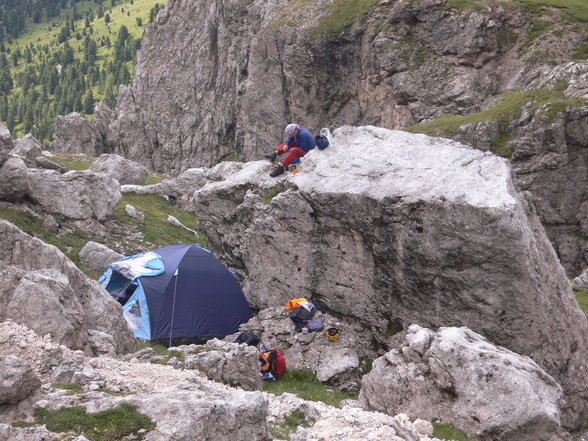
<point>62,56</point>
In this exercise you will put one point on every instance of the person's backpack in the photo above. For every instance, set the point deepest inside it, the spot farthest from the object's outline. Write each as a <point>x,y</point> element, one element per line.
<point>322,140</point>
<point>302,315</point>
<point>273,362</point>
<point>248,337</point>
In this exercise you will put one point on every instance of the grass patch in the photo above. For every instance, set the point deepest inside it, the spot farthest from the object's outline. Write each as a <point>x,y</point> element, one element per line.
<point>109,425</point>
<point>392,328</point>
<point>340,16</point>
<point>70,242</point>
<point>574,10</point>
<point>505,38</point>
<point>546,103</point>
<point>538,27</point>
<point>581,52</point>
<point>161,350</point>
<point>71,161</point>
<point>464,5</point>
<point>269,195</point>
<point>582,299</point>
<point>290,424</point>
<point>305,384</point>
<point>154,178</point>
<point>157,231</point>
<point>448,432</point>
<point>230,157</point>
<point>72,388</point>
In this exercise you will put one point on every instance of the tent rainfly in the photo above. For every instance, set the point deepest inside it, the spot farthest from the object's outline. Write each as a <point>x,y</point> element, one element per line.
<point>177,291</point>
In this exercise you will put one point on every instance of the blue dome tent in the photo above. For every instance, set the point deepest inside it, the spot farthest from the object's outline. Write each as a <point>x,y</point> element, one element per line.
<point>175,292</point>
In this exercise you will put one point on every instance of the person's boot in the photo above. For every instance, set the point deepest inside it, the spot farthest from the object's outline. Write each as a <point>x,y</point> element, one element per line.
<point>278,171</point>
<point>271,157</point>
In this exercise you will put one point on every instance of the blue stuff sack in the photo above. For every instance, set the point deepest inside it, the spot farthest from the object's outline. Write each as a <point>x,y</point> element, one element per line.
<point>315,325</point>
<point>321,141</point>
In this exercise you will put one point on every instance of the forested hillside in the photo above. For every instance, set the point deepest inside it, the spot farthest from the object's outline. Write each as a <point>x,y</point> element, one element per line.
<point>61,56</point>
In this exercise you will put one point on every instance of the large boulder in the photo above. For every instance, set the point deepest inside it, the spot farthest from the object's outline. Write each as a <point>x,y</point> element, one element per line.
<point>43,290</point>
<point>28,148</point>
<point>76,134</point>
<point>228,363</point>
<point>14,182</point>
<point>123,170</point>
<point>457,376</point>
<point>384,226</point>
<point>98,257</point>
<point>76,194</point>
<point>17,379</point>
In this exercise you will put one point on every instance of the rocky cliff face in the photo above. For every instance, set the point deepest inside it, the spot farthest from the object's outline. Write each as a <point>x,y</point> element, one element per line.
<point>224,77</point>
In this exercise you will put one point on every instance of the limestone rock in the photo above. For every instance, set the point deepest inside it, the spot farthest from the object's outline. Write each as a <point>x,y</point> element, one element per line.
<point>17,379</point>
<point>580,283</point>
<point>133,212</point>
<point>6,143</point>
<point>45,291</point>
<point>14,183</point>
<point>407,227</point>
<point>98,257</point>
<point>28,148</point>
<point>50,224</point>
<point>76,134</point>
<point>487,391</point>
<point>228,363</point>
<point>75,194</point>
<point>123,170</point>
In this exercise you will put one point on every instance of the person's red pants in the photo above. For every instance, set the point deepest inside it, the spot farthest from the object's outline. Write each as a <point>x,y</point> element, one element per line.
<point>293,153</point>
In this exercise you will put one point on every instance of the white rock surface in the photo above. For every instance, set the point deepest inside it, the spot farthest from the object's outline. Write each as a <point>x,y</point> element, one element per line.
<point>462,378</point>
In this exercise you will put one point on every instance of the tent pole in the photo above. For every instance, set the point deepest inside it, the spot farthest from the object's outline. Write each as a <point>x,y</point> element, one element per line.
<point>173,308</point>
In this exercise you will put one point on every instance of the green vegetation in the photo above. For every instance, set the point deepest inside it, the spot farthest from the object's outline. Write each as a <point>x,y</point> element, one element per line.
<point>290,424</point>
<point>72,161</point>
<point>70,243</point>
<point>154,229</point>
<point>61,56</point>
<point>393,328</point>
<point>72,388</point>
<point>464,5</point>
<point>269,195</point>
<point>340,16</point>
<point>157,232</point>
<point>410,51</point>
<point>546,103</point>
<point>109,425</point>
<point>230,157</point>
<point>538,27</point>
<point>582,298</point>
<point>304,384</point>
<point>161,350</point>
<point>574,10</point>
<point>505,38</point>
<point>581,51</point>
<point>448,432</point>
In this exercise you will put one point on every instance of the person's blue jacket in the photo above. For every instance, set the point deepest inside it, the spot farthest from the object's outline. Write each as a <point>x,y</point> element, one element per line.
<point>304,140</point>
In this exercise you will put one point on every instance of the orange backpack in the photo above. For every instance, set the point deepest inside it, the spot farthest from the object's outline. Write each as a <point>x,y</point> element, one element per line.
<point>295,303</point>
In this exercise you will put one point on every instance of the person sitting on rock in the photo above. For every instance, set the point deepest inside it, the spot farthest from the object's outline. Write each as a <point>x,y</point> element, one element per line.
<point>298,144</point>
